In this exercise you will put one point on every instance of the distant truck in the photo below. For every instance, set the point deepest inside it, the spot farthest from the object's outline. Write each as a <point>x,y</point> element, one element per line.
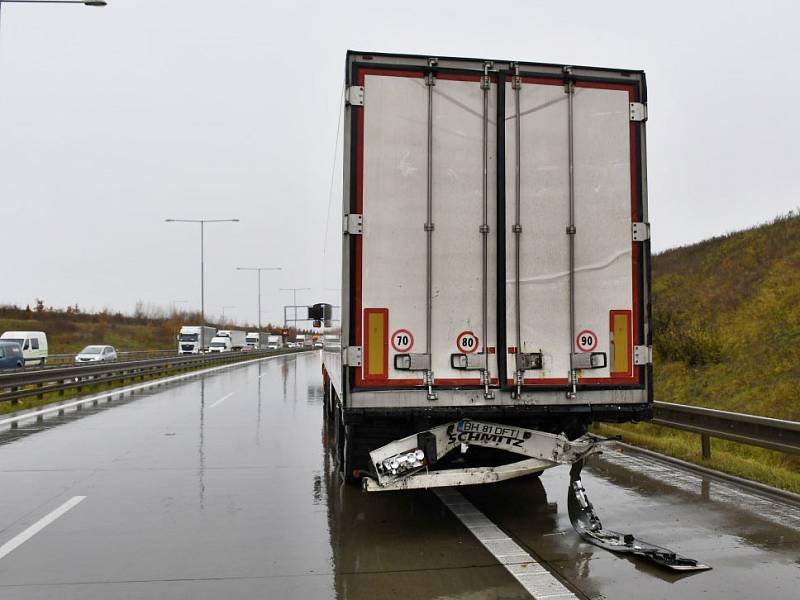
<point>256,340</point>
<point>220,343</point>
<point>237,338</point>
<point>274,342</point>
<point>32,343</point>
<point>195,339</point>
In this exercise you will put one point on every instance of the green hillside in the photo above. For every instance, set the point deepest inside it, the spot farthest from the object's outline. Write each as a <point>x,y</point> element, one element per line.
<point>726,315</point>
<point>727,321</point>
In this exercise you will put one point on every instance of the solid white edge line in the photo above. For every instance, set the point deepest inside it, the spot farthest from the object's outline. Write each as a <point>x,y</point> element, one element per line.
<point>133,388</point>
<point>221,400</point>
<point>529,573</point>
<point>31,531</point>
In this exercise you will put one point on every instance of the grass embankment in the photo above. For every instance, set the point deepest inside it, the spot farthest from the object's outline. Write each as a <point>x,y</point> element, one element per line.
<point>69,333</point>
<point>69,330</point>
<point>726,318</point>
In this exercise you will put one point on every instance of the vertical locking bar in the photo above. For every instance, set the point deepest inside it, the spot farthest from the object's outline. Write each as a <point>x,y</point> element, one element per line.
<point>569,89</point>
<point>516,85</point>
<point>484,229</point>
<point>430,81</point>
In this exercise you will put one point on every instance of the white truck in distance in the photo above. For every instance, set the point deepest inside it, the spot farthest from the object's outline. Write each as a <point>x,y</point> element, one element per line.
<point>237,338</point>
<point>256,340</point>
<point>274,342</point>
<point>301,340</point>
<point>220,343</point>
<point>195,339</point>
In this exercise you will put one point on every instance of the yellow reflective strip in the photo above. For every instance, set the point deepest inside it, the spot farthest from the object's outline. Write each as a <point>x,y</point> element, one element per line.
<point>376,343</point>
<point>622,349</point>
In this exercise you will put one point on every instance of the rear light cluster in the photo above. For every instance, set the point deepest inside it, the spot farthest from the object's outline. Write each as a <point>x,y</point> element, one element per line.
<point>402,463</point>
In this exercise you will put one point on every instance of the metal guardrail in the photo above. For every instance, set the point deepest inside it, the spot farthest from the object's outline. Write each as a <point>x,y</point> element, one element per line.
<point>773,434</point>
<point>37,382</point>
<point>60,360</point>
<point>765,432</point>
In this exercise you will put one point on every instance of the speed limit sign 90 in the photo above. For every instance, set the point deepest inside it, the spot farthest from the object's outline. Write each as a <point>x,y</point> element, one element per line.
<point>586,340</point>
<point>467,342</point>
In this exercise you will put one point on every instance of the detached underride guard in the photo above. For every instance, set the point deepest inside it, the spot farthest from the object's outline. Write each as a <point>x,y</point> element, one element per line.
<point>406,464</point>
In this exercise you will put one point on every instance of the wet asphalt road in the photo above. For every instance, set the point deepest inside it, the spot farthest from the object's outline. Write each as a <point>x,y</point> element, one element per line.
<point>221,487</point>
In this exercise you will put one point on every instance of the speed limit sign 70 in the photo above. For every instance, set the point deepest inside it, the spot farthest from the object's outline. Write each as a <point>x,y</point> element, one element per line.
<point>467,342</point>
<point>586,340</point>
<point>402,340</point>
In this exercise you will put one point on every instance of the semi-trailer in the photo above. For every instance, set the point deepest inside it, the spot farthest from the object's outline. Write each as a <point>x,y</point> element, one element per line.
<point>495,274</point>
<point>195,339</point>
<point>274,342</point>
<point>237,338</point>
<point>256,340</point>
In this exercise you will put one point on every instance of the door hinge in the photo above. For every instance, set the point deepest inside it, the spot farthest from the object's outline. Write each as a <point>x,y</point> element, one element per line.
<point>640,231</point>
<point>638,111</point>
<point>355,95</point>
<point>353,224</point>
<point>642,355</point>
<point>351,356</point>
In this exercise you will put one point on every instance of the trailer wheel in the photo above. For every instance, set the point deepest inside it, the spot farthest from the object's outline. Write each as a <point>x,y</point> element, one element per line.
<point>345,449</point>
<point>330,401</point>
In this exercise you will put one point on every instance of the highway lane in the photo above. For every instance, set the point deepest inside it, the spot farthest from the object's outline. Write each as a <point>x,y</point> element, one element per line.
<point>217,487</point>
<point>221,486</point>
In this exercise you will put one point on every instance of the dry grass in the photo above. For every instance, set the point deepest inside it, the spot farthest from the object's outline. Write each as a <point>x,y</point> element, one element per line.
<point>726,335</point>
<point>756,464</point>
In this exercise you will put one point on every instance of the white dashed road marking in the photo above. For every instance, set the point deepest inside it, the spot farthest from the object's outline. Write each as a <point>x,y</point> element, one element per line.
<point>536,580</point>
<point>31,531</point>
<point>221,400</point>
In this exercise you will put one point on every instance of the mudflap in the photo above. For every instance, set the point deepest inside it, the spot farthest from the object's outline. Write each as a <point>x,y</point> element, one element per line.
<point>587,524</point>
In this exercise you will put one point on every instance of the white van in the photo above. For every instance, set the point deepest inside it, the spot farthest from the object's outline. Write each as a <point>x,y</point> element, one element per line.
<point>33,344</point>
<point>220,343</point>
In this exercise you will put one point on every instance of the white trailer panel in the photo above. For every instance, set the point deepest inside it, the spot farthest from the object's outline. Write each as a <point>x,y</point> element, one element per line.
<point>431,158</point>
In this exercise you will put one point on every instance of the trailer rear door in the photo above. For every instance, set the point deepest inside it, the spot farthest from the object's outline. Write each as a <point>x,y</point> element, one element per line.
<point>434,176</point>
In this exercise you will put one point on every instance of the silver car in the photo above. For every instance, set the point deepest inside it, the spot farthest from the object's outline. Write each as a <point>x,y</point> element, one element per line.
<point>96,354</point>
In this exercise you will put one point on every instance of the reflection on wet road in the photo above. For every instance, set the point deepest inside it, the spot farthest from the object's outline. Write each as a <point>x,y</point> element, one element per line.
<point>222,487</point>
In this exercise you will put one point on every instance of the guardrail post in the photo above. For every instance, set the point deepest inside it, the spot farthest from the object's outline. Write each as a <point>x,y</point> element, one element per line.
<point>705,444</point>
<point>39,395</point>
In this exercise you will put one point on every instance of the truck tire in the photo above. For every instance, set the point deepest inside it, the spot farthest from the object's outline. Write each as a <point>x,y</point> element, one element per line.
<point>345,444</point>
<point>326,398</point>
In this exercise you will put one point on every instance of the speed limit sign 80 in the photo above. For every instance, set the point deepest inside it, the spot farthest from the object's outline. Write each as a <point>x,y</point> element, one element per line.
<point>467,342</point>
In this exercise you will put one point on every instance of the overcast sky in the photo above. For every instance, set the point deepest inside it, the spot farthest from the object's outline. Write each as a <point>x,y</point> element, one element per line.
<point>112,119</point>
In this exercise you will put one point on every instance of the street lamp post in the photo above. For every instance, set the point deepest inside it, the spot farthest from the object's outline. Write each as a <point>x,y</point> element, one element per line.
<point>84,2</point>
<point>202,256</point>
<point>259,269</point>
